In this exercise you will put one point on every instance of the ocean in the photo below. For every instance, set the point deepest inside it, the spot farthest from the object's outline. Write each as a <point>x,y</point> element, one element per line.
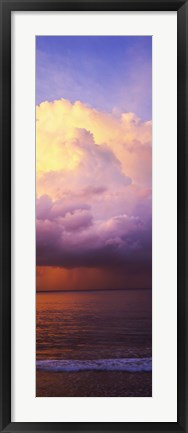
<point>94,343</point>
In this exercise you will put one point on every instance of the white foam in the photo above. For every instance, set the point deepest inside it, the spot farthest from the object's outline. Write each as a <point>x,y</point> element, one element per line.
<point>124,364</point>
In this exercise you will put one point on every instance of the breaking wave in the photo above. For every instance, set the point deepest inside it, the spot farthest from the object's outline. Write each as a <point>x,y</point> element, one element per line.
<point>124,364</point>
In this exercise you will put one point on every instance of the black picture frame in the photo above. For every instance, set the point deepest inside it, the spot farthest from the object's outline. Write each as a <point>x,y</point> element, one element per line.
<point>6,7</point>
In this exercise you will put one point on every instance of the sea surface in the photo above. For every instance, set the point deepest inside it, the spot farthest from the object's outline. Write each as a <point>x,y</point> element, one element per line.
<point>93,332</point>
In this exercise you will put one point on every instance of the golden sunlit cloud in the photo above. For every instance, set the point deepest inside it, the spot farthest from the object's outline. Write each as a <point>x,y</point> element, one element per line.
<point>58,132</point>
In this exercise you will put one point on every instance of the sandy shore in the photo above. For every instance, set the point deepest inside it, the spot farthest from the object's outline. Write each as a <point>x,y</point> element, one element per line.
<point>93,384</point>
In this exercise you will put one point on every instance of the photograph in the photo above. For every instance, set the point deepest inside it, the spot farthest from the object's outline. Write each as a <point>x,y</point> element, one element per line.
<point>93,216</point>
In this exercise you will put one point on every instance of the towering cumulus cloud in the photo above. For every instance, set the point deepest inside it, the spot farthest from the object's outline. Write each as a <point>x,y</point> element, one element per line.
<point>93,198</point>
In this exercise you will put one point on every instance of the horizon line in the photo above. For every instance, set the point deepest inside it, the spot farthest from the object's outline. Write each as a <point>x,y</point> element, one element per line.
<point>92,290</point>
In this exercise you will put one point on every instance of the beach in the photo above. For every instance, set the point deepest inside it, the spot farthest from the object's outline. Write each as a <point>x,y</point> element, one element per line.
<point>93,384</point>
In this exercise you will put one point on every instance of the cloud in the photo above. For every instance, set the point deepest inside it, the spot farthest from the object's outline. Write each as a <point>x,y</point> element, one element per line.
<point>64,131</point>
<point>82,166</point>
<point>76,239</point>
<point>48,209</point>
<point>93,188</point>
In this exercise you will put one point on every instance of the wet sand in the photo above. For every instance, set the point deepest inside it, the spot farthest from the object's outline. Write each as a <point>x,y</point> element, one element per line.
<point>93,384</point>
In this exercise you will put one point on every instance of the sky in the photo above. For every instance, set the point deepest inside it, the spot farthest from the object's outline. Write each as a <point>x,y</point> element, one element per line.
<point>108,73</point>
<point>93,162</point>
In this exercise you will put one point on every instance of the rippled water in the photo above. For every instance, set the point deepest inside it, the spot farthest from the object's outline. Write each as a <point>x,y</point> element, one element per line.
<point>102,325</point>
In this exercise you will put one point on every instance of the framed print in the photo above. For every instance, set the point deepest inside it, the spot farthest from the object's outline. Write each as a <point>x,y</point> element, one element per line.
<point>93,216</point>
<point>87,194</point>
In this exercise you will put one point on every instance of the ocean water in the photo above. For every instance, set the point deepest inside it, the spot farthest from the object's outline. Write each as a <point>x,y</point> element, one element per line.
<point>94,331</point>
